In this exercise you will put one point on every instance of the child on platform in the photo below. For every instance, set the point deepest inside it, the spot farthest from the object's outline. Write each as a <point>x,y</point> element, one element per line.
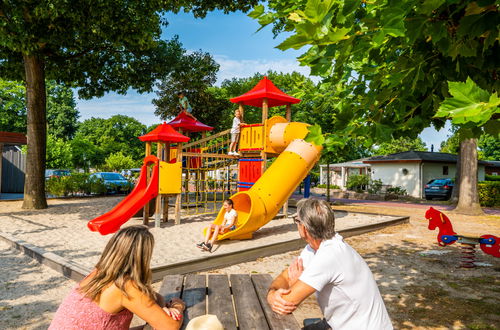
<point>184,105</point>
<point>213,230</point>
<point>118,287</point>
<point>235,133</point>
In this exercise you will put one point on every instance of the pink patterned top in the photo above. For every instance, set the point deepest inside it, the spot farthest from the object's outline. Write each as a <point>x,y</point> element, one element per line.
<point>79,312</point>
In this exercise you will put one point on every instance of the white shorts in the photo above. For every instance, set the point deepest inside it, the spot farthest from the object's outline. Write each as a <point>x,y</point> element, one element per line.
<point>235,137</point>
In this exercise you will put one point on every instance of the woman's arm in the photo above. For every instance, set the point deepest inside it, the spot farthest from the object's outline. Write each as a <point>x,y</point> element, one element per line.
<point>148,310</point>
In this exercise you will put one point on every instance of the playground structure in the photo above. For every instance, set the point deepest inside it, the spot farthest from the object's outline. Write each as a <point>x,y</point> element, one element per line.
<point>200,174</point>
<point>446,236</point>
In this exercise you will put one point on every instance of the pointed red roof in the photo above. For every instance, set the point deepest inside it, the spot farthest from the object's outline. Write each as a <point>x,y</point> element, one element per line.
<point>265,88</point>
<point>189,124</point>
<point>164,133</point>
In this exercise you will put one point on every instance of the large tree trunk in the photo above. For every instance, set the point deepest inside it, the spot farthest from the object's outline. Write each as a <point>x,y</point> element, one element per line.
<point>34,185</point>
<point>468,199</point>
<point>456,189</point>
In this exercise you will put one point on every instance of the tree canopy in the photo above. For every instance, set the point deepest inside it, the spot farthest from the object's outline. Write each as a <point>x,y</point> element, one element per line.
<point>400,145</point>
<point>62,114</point>
<point>388,62</point>
<point>95,45</point>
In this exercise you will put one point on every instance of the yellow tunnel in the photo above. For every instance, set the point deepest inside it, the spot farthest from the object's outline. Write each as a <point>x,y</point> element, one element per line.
<point>261,203</point>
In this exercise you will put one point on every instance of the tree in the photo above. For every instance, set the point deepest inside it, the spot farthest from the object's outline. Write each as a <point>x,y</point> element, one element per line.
<point>400,145</point>
<point>474,111</point>
<point>96,45</point>
<point>117,134</point>
<point>59,153</point>
<point>118,161</point>
<point>62,114</point>
<point>198,74</point>
<point>489,147</point>
<point>388,62</point>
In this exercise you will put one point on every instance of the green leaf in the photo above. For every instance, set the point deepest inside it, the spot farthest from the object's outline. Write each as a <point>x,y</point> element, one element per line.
<point>469,104</point>
<point>256,12</point>
<point>315,136</point>
<point>296,41</point>
<point>429,5</point>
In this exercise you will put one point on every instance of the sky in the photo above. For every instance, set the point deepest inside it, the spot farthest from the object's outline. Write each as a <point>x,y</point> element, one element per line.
<point>241,52</point>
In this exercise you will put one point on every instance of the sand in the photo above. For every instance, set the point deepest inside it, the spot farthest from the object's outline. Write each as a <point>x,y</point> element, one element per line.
<point>421,285</point>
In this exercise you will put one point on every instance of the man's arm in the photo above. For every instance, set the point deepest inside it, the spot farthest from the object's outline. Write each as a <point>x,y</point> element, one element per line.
<point>284,299</point>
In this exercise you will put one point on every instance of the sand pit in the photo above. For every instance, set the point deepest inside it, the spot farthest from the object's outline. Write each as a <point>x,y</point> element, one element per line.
<point>62,230</point>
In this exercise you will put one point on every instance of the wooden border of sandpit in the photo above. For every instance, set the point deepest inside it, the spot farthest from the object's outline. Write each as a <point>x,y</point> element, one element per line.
<point>77,272</point>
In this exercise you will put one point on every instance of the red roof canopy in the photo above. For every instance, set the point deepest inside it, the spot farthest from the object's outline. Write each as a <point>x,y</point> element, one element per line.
<point>265,88</point>
<point>164,133</point>
<point>12,138</point>
<point>189,124</point>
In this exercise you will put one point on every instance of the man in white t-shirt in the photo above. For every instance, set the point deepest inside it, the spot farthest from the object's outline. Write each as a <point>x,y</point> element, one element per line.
<point>344,285</point>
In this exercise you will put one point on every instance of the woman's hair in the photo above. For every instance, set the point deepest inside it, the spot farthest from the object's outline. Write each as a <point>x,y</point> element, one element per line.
<point>229,201</point>
<point>126,257</point>
<point>318,218</point>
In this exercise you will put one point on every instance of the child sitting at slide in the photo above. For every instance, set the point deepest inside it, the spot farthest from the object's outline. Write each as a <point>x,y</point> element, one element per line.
<point>118,287</point>
<point>214,230</point>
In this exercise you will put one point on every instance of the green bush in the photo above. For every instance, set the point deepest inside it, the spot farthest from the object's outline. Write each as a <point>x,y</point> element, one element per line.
<point>492,177</point>
<point>358,182</point>
<point>332,186</point>
<point>75,184</point>
<point>375,186</point>
<point>395,193</point>
<point>489,193</point>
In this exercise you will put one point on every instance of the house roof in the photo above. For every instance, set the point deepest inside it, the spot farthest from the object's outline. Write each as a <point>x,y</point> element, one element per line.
<point>189,124</point>
<point>265,89</point>
<point>164,133</point>
<point>13,138</point>
<point>416,156</point>
<point>492,163</point>
<point>357,163</point>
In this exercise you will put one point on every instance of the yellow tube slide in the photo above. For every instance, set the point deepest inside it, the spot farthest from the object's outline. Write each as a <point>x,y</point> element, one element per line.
<point>261,203</point>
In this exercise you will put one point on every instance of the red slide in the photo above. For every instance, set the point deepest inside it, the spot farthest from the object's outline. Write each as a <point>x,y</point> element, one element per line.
<point>143,192</point>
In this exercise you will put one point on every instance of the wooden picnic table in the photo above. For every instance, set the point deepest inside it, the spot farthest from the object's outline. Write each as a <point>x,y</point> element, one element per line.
<point>238,300</point>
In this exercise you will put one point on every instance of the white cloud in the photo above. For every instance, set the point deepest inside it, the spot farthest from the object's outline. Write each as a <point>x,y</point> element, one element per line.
<point>230,68</point>
<point>132,104</point>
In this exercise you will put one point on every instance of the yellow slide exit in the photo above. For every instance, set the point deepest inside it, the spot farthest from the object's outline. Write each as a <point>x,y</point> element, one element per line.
<point>261,203</point>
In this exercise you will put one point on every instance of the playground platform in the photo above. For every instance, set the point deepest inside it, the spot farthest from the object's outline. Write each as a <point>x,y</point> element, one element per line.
<point>59,237</point>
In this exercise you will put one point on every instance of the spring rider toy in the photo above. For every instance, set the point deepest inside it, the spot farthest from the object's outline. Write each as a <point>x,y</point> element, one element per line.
<point>490,244</point>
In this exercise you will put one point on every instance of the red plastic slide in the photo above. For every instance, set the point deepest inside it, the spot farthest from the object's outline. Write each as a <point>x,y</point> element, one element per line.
<point>143,192</point>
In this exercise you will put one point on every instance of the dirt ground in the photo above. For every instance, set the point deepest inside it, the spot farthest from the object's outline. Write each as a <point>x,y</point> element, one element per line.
<point>420,282</point>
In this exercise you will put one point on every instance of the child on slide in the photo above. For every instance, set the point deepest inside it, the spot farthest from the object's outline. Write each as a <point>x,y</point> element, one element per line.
<point>214,230</point>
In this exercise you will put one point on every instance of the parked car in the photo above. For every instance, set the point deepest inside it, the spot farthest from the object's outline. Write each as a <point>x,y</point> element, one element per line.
<point>439,188</point>
<point>114,182</point>
<point>56,173</point>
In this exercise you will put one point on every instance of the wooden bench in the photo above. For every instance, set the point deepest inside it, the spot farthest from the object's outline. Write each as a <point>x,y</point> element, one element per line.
<point>239,301</point>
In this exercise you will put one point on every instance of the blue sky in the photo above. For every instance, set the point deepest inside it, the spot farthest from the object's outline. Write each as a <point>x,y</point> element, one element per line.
<point>237,47</point>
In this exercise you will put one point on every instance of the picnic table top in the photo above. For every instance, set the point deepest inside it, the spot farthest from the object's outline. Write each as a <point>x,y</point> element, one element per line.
<point>238,300</point>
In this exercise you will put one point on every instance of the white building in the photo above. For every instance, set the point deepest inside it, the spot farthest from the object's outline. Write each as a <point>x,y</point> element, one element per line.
<point>341,171</point>
<point>411,170</point>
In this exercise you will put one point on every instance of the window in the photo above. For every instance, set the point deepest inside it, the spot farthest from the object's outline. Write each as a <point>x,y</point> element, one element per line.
<point>445,170</point>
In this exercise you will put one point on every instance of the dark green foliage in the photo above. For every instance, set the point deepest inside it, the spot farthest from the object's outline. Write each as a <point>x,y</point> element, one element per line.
<point>489,193</point>
<point>488,177</point>
<point>74,185</point>
<point>62,114</point>
<point>358,182</point>
<point>116,134</point>
<point>401,144</point>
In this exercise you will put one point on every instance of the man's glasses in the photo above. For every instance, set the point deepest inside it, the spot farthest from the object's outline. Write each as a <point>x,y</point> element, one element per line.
<point>296,219</point>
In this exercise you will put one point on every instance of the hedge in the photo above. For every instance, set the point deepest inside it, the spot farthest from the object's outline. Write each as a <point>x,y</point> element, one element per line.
<point>489,193</point>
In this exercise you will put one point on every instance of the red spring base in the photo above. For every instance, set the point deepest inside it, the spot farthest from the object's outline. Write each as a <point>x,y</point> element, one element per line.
<point>468,255</point>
